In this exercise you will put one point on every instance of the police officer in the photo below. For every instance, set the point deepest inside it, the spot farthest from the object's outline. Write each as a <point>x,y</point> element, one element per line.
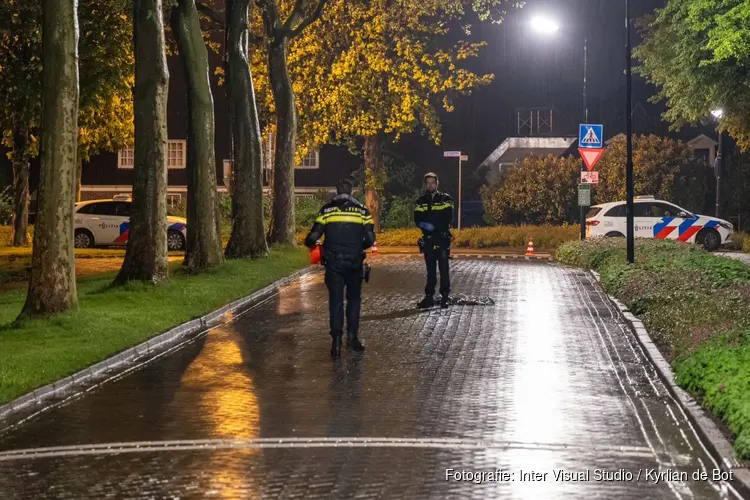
<point>433,214</point>
<point>348,229</point>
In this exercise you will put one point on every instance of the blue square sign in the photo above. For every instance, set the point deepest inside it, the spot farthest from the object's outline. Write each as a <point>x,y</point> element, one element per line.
<point>590,136</point>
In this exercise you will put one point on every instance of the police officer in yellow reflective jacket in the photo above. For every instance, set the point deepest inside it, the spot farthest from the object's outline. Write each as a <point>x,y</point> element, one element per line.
<point>433,214</point>
<point>348,229</point>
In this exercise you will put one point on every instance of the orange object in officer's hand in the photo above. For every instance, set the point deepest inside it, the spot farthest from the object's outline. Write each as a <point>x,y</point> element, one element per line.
<point>316,254</point>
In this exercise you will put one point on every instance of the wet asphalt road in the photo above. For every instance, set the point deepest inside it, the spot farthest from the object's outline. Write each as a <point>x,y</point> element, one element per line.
<point>546,379</point>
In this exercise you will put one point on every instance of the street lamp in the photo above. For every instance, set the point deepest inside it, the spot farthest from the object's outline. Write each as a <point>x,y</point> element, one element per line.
<point>718,162</point>
<point>544,25</point>
<point>547,26</point>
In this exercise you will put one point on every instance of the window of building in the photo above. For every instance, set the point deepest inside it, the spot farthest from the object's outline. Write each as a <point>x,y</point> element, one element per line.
<point>176,155</point>
<point>311,160</point>
<point>702,155</point>
<point>125,158</point>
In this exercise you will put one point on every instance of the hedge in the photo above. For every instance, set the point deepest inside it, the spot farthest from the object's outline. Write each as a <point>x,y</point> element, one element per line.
<point>545,237</point>
<point>697,309</point>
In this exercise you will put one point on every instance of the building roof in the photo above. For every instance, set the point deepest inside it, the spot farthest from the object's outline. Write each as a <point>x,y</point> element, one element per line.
<point>702,137</point>
<point>517,148</point>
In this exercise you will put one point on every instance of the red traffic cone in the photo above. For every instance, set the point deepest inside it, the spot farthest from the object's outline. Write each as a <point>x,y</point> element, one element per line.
<point>374,249</point>
<point>530,248</point>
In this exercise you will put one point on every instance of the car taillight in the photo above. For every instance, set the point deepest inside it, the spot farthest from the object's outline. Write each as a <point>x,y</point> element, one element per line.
<point>592,222</point>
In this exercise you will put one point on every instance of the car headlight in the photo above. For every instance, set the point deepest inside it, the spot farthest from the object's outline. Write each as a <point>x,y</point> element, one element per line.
<point>727,225</point>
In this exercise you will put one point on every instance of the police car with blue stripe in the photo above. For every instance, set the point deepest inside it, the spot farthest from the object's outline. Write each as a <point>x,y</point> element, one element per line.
<point>107,223</point>
<point>658,219</point>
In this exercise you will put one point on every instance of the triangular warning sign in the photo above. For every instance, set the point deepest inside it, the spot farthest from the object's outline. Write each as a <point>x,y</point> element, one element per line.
<point>591,137</point>
<point>590,156</point>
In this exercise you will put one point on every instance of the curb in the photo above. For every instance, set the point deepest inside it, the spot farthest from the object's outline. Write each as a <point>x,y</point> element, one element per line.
<point>720,449</point>
<point>456,256</point>
<point>144,350</point>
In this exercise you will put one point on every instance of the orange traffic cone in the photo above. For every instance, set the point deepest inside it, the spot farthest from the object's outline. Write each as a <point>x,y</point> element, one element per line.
<point>374,250</point>
<point>530,248</point>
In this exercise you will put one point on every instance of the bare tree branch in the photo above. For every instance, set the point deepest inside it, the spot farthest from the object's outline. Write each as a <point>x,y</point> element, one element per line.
<point>212,14</point>
<point>308,20</point>
<point>296,16</point>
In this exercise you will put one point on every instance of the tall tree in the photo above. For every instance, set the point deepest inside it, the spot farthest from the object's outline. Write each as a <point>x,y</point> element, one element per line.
<point>248,238</point>
<point>146,252</point>
<point>696,52</point>
<point>204,233</point>
<point>106,59</point>
<point>105,108</point>
<point>279,33</point>
<point>20,95</point>
<point>371,71</point>
<point>52,287</point>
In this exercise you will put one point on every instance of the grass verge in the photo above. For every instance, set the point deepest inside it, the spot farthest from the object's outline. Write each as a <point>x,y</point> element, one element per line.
<point>696,307</point>
<point>110,320</point>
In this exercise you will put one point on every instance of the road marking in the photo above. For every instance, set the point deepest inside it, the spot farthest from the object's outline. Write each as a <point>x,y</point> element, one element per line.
<point>324,442</point>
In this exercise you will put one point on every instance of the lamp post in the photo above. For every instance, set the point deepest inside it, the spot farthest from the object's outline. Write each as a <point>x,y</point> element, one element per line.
<point>547,27</point>
<point>629,132</point>
<point>718,163</point>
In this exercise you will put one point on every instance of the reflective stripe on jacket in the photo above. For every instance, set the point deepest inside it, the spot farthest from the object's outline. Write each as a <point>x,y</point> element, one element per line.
<point>435,209</point>
<point>346,225</point>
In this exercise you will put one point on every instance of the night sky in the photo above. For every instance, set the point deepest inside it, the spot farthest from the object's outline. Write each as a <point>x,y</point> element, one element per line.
<point>534,70</point>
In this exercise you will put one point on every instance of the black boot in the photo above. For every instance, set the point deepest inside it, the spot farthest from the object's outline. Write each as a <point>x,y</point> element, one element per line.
<point>336,346</point>
<point>445,301</point>
<point>426,302</point>
<point>355,344</point>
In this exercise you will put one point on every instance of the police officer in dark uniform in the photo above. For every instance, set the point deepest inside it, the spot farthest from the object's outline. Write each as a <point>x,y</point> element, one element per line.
<point>433,214</point>
<point>348,229</point>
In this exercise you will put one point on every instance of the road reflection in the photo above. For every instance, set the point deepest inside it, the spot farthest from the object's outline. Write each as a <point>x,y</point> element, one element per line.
<point>219,385</point>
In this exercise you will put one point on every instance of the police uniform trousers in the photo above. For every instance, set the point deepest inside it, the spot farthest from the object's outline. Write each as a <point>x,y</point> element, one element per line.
<point>436,256</point>
<point>344,276</point>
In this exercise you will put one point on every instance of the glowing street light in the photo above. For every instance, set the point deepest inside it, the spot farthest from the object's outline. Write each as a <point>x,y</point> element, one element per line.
<point>718,113</point>
<point>544,25</point>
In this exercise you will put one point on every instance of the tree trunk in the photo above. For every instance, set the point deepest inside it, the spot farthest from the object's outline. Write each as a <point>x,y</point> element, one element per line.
<point>282,218</point>
<point>248,237</point>
<point>21,186</point>
<point>146,252</point>
<point>203,225</point>
<point>79,175</point>
<point>52,287</point>
<point>374,177</point>
<point>269,150</point>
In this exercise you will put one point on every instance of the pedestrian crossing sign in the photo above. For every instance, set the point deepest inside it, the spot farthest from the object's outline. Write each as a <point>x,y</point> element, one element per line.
<point>590,136</point>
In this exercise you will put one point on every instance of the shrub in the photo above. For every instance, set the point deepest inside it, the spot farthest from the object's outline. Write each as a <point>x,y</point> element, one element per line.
<point>739,239</point>
<point>697,308</point>
<point>6,206</point>
<point>545,237</point>
<point>663,167</point>
<point>399,213</point>
<point>534,191</point>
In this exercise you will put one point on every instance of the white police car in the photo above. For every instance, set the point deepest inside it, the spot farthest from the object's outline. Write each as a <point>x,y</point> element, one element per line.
<point>107,223</point>
<point>658,219</point>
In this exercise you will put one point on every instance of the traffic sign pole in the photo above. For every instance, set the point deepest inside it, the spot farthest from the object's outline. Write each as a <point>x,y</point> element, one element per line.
<point>460,161</point>
<point>590,145</point>
<point>461,158</point>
